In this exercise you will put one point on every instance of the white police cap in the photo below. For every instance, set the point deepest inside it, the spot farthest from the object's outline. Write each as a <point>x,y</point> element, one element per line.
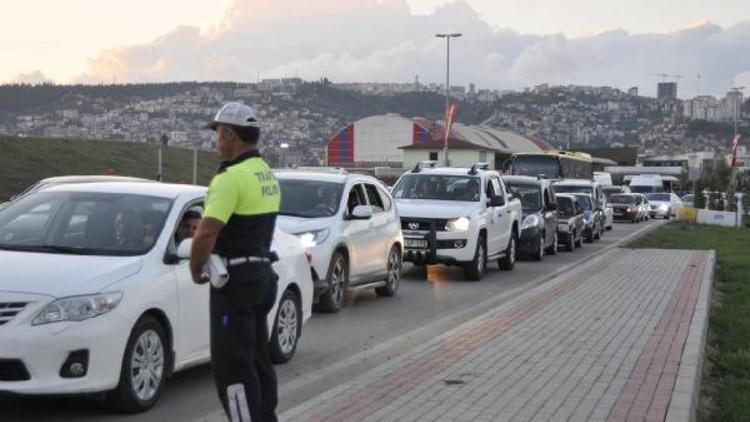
<point>235,114</point>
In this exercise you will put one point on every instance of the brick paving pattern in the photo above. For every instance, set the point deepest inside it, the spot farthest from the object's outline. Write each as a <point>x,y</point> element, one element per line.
<point>600,343</point>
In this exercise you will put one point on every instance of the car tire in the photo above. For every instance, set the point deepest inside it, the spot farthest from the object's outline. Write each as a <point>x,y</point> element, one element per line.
<point>507,262</point>
<point>474,269</point>
<point>392,275</point>
<point>338,280</point>
<point>144,368</point>
<point>538,254</point>
<point>570,245</point>
<point>553,248</point>
<point>287,328</point>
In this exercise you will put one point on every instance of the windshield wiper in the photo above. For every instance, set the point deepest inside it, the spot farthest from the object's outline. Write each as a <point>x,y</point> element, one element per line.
<point>50,248</point>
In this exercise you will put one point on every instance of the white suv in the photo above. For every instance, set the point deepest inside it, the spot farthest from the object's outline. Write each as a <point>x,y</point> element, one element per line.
<point>458,216</point>
<point>349,223</point>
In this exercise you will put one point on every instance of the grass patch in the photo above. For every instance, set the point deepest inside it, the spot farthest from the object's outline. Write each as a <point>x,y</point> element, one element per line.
<point>726,387</point>
<point>25,161</point>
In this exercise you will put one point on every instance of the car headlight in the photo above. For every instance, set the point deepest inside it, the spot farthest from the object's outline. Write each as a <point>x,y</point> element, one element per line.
<point>313,238</point>
<point>457,225</point>
<point>530,221</point>
<point>78,308</point>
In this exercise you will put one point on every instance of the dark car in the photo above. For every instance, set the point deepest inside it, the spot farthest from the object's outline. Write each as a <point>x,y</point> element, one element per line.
<point>627,207</point>
<point>539,224</point>
<point>569,221</point>
<point>592,220</point>
<point>614,190</point>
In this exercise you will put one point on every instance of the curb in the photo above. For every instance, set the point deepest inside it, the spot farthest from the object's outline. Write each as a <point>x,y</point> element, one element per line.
<point>686,393</point>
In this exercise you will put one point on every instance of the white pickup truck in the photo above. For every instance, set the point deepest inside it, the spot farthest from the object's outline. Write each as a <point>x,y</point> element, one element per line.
<point>457,216</point>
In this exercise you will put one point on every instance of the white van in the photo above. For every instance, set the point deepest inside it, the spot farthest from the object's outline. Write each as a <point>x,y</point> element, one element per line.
<point>603,178</point>
<point>647,183</point>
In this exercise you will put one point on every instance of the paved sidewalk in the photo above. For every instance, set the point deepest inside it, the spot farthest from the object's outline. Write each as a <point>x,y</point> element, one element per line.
<point>614,340</point>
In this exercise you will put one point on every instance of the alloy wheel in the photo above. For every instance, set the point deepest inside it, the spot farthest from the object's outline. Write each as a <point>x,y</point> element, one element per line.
<point>287,328</point>
<point>147,365</point>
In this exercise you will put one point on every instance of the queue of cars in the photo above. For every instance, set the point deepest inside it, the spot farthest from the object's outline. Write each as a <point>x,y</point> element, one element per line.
<point>98,299</point>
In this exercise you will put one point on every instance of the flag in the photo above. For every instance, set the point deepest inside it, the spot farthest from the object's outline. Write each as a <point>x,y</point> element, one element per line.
<point>450,114</point>
<point>735,144</point>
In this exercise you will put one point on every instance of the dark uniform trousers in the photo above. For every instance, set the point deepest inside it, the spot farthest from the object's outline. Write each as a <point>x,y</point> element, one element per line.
<point>244,375</point>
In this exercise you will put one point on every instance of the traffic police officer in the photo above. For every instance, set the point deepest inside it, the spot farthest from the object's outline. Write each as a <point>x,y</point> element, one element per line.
<point>238,224</point>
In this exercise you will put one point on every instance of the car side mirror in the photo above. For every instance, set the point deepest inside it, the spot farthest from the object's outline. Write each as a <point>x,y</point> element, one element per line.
<point>361,212</point>
<point>183,249</point>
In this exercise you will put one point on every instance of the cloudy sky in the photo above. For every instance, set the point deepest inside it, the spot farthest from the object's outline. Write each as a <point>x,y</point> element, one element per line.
<point>507,44</point>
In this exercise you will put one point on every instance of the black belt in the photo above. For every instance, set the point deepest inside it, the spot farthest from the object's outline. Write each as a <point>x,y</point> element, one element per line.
<point>240,260</point>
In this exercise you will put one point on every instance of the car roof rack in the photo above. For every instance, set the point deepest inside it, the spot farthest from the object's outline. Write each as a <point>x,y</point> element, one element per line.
<point>478,166</point>
<point>330,170</point>
<point>422,164</point>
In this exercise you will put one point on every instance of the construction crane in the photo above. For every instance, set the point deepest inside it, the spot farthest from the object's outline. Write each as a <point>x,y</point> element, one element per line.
<point>664,76</point>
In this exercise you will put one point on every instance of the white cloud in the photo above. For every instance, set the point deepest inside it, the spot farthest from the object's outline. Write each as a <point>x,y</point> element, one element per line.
<point>381,40</point>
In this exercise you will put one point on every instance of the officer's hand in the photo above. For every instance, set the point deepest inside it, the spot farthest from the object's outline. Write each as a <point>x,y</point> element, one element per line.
<point>201,278</point>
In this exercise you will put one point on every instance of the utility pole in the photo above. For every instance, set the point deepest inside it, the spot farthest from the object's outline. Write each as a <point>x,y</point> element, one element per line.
<point>447,37</point>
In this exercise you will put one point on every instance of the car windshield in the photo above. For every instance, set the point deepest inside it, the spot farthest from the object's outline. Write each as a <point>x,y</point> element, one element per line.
<point>83,223</point>
<point>621,199</point>
<point>573,189</point>
<point>565,207</point>
<point>530,195</point>
<point>585,202</point>
<point>438,187</point>
<point>309,198</point>
<point>658,197</point>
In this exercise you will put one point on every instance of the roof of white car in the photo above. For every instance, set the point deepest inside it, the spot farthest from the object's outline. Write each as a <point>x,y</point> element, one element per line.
<point>574,182</point>
<point>93,179</point>
<point>449,171</point>
<point>166,190</point>
<point>319,175</point>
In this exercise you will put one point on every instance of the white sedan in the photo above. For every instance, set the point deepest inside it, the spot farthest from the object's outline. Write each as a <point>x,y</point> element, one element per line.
<point>94,298</point>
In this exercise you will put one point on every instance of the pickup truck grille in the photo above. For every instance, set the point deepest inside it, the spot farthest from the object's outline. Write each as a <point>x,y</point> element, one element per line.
<point>423,224</point>
<point>8,310</point>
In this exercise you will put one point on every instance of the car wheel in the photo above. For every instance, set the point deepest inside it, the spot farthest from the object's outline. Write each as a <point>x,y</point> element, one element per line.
<point>539,253</point>
<point>392,275</point>
<point>338,276</point>
<point>507,262</point>
<point>474,269</point>
<point>553,249</point>
<point>287,328</point>
<point>144,368</point>
<point>571,244</point>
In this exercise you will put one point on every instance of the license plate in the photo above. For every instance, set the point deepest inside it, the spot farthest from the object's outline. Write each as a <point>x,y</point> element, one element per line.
<point>416,243</point>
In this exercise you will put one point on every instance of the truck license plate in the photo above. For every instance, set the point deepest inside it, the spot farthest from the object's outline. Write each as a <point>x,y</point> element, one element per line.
<point>416,243</point>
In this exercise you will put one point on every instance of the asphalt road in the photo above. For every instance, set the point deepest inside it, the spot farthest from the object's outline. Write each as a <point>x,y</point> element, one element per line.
<point>337,347</point>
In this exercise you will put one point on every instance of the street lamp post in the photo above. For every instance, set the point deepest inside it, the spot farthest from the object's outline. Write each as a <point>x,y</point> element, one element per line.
<point>447,37</point>
<point>737,113</point>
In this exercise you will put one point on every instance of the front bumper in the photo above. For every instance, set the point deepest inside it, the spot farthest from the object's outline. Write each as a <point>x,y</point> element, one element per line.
<point>624,215</point>
<point>43,349</point>
<point>659,212</point>
<point>439,247</point>
<point>528,242</point>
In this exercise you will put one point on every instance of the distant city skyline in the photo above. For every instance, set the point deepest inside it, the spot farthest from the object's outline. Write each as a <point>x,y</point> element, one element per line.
<point>508,44</point>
